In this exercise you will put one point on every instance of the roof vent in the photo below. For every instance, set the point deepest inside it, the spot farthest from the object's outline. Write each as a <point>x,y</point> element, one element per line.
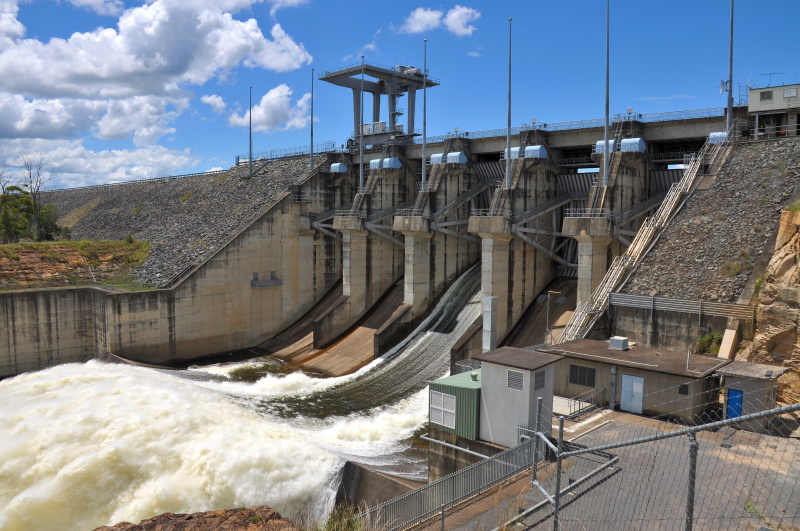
<point>474,376</point>
<point>618,343</point>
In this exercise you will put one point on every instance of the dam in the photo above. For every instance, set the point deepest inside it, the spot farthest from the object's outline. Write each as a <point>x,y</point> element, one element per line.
<point>360,250</point>
<point>366,225</point>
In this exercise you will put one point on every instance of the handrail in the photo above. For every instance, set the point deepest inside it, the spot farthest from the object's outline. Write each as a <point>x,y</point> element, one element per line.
<point>588,311</point>
<point>491,213</point>
<point>587,213</point>
<point>413,212</point>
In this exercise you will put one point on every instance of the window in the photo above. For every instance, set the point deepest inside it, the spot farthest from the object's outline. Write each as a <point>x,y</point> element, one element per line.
<point>515,380</point>
<point>683,389</point>
<point>538,381</point>
<point>580,375</point>
<point>443,409</point>
<point>790,93</point>
<point>766,95</point>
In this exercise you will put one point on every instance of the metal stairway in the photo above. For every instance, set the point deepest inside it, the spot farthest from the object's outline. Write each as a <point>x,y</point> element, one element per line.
<point>588,312</point>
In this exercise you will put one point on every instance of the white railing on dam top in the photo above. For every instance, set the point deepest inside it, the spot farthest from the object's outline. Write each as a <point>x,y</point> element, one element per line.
<point>711,112</point>
<point>589,310</point>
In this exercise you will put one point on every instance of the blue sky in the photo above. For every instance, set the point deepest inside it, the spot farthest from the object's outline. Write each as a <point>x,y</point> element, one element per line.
<point>110,90</point>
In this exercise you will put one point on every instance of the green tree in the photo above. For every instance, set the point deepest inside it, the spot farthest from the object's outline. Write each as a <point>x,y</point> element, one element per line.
<point>16,209</point>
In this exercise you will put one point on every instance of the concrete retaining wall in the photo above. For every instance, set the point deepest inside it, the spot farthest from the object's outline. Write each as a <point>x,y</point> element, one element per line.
<point>219,308</point>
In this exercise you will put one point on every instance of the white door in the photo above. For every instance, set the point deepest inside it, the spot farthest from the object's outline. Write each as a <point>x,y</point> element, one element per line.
<point>632,393</point>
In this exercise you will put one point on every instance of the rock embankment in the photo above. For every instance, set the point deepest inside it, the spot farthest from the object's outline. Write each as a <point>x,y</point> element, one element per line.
<point>776,338</point>
<point>252,519</point>
<point>709,249</point>
<point>185,219</point>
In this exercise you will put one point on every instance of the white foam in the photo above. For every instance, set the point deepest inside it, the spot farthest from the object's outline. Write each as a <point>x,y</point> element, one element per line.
<point>94,444</point>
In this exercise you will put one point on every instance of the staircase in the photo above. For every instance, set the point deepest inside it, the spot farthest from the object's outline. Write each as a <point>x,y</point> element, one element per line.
<point>588,312</point>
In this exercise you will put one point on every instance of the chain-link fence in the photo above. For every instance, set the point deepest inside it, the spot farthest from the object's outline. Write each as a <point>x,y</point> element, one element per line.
<point>739,469</point>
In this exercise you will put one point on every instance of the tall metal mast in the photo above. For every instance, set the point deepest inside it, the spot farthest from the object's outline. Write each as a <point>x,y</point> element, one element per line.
<point>311,156</point>
<point>508,129</point>
<point>605,126</point>
<point>424,110</point>
<point>730,78</point>
<point>361,133</point>
<point>250,158</point>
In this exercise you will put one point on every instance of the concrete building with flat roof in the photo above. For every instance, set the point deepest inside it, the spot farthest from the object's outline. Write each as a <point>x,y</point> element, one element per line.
<point>513,381</point>
<point>750,388</point>
<point>637,380</point>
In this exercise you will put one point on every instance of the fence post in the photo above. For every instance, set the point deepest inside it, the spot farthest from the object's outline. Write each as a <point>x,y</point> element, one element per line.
<point>536,439</point>
<point>692,477</point>
<point>557,494</point>
<point>442,517</point>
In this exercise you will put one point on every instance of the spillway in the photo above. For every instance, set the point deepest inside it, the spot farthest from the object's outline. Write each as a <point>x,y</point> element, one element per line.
<point>93,444</point>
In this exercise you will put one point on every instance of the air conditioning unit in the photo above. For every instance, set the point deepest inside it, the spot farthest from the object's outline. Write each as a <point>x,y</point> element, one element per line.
<point>618,343</point>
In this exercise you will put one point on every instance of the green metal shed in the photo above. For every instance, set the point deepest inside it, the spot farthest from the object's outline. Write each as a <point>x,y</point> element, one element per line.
<point>455,403</point>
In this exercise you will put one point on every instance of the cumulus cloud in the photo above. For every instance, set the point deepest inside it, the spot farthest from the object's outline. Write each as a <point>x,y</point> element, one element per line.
<point>276,112</point>
<point>216,103</point>
<point>458,20</point>
<point>101,7</point>
<point>280,4</point>
<point>155,46</point>
<point>422,19</point>
<point>74,165</point>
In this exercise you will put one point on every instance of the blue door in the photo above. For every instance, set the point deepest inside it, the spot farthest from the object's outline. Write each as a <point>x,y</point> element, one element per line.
<point>734,404</point>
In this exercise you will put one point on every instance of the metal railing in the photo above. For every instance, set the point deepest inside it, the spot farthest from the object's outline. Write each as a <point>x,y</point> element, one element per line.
<point>674,155</point>
<point>585,402</point>
<point>167,178</point>
<point>437,496</point>
<point>575,161</point>
<point>350,214</point>
<point>589,310</point>
<point>587,213</point>
<point>491,213</point>
<point>414,212</point>
<point>286,152</point>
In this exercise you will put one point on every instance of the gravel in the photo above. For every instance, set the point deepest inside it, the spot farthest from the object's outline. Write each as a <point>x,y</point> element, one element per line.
<point>186,219</point>
<point>709,249</point>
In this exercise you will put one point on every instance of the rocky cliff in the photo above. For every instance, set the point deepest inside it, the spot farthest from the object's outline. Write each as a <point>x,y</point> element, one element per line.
<point>776,338</point>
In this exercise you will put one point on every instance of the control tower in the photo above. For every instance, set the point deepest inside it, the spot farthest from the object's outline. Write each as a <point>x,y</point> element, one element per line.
<point>379,80</point>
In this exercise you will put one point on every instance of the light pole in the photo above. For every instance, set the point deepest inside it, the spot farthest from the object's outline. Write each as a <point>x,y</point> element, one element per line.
<point>250,157</point>
<point>508,128</point>
<point>730,78</point>
<point>605,126</point>
<point>547,331</point>
<point>311,150</point>
<point>361,133</point>
<point>424,110</point>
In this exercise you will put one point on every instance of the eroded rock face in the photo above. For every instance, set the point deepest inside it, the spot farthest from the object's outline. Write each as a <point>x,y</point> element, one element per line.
<point>776,338</point>
<point>251,519</point>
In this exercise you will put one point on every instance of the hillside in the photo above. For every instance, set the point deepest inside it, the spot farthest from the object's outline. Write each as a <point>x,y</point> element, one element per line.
<point>712,245</point>
<point>185,219</point>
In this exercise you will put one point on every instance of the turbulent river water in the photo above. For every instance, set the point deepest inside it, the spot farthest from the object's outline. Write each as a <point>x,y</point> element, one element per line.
<point>84,445</point>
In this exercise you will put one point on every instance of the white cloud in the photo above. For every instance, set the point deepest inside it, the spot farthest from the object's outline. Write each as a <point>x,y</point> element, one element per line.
<point>101,7</point>
<point>156,45</point>
<point>10,27</point>
<point>275,112</point>
<point>422,19</point>
<point>144,117</point>
<point>473,54</point>
<point>458,20</point>
<point>280,4</point>
<point>74,165</point>
<point>216,102</point>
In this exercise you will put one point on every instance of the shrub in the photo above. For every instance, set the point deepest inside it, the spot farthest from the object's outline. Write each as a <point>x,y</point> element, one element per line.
<point>731,269</point>
<point>186,196</point>
<point>128,238</point>
<point>708,344</point>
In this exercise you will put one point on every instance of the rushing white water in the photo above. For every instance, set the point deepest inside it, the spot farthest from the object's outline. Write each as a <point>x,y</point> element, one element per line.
<point>96,444</point>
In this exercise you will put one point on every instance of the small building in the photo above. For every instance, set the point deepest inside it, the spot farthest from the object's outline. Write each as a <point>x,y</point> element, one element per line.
<point>750,388</point>
<point>455,404</point>
<point>513,381</point>
<point>637,379</point>
<point>774,110</point>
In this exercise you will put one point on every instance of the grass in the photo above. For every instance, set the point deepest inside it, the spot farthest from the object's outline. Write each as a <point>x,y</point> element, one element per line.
<point>111,262</point>
<point>76,215</point>
<point>759,284</point>
<point>135,210</point>
<point>184,197</point>
<point>708,344</point>
<point>794,207</point>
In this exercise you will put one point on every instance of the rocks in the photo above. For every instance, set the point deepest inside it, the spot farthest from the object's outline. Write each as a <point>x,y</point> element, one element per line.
<point>251,519</point>
<point>776,339</point>
<point>185,219</point>
<point>709,249</point>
